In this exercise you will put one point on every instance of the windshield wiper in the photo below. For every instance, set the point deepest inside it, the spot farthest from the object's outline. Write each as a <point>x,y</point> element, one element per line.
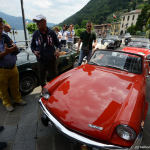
<point>115,67</point>
<point>94,63</point>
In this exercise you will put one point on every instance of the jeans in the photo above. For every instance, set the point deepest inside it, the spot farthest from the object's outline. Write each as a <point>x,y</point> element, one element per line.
<point>63,43</point>
<point>82,56</point>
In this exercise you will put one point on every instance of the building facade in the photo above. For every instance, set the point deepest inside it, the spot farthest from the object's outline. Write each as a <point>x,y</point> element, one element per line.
<point>115,28</point>
<point>102,30</point>
<point>129,19</point>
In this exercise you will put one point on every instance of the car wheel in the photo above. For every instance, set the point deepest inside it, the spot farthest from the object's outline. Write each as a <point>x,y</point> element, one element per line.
<point>75,63</point>
<point>27,83</point>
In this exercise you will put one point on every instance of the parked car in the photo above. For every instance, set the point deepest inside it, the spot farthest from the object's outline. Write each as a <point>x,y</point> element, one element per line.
<point>101,104</point>
<point>140,42</point>
<point>137,50</point>
<point>111,41</point>
<point>28,69</point>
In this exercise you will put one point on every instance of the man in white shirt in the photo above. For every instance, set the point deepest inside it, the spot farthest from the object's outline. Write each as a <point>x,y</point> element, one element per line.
<point>70,36</point>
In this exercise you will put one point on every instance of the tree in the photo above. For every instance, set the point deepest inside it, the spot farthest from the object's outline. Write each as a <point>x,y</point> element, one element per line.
<point>143,18</point>
<point>131,30</point>
<point>31,27</point>
<point>84,22</point>
<point>76,26</point>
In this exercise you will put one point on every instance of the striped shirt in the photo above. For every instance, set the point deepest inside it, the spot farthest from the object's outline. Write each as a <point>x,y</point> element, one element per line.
<point>71,39</point>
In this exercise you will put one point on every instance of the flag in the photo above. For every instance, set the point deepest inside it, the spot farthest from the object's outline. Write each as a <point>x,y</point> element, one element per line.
<point>114,16</point>
<point>27,22</point>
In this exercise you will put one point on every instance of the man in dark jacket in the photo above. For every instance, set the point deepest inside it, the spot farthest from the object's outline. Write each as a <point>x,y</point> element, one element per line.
<point>42,45</point>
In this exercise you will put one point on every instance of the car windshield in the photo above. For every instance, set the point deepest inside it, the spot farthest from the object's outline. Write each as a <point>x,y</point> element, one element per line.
<point>111,37</point>
<point>139,44</point>
<point>118,60</point>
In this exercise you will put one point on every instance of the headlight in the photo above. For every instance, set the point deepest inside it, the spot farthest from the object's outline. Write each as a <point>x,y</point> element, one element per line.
<point>126,132</point>
<point>45,93</point>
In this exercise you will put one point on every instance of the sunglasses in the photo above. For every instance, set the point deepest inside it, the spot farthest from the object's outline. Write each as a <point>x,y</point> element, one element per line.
<point>38,21</point>
<point>89,26</point>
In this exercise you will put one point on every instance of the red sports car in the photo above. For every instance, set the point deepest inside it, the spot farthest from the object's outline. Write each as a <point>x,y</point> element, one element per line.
<point>101,104</point>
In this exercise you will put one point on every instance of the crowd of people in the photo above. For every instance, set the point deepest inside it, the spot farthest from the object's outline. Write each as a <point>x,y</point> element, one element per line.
<point>46,45</point>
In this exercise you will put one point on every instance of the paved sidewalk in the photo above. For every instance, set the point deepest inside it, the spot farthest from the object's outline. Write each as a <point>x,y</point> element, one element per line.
<point>24,130</point>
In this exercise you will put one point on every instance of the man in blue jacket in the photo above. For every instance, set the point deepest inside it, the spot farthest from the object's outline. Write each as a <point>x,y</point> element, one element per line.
<point>42,45</point>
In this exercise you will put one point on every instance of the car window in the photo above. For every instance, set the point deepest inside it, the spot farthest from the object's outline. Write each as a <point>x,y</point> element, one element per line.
<point>117,60</point>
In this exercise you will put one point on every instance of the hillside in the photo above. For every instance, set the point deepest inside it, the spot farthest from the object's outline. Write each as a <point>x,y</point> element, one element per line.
<point>16,22</point>
<point>99,11</point>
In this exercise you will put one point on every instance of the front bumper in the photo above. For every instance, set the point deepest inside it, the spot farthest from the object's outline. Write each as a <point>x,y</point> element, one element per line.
<point>85,140</point>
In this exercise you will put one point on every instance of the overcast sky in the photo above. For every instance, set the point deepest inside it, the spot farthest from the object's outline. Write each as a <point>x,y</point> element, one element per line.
<point>55,10</point>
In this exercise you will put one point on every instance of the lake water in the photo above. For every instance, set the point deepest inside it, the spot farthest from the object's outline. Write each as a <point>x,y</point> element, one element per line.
<point>19,36</point>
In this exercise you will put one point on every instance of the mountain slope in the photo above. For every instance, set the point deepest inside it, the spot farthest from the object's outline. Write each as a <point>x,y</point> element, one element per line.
<point>17,22</point>
<point>98,10</point>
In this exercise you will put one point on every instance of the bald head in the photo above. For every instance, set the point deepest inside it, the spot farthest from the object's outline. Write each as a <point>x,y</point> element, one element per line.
<point>7,28</point>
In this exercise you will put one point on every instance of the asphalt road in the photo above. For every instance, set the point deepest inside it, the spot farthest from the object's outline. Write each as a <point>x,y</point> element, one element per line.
<point>24,130</point>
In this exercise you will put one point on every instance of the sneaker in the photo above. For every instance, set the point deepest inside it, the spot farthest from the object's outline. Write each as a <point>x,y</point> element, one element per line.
<point>10,108</point>
<point>1,128</point>
<point>22,103</point>
<point>3,145</point>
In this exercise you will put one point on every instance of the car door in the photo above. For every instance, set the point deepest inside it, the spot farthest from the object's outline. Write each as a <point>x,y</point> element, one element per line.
<point>64,61</point>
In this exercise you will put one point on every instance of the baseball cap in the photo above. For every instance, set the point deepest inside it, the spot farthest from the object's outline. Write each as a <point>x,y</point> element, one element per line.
<point>39,17</point>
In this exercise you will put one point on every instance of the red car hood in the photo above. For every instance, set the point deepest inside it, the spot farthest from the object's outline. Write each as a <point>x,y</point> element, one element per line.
<point>90,95</point>
<point>142,51</point>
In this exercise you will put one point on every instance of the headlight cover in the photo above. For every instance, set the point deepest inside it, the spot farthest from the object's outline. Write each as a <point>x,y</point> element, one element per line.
<point>45,93</point>
<point>126,132</point>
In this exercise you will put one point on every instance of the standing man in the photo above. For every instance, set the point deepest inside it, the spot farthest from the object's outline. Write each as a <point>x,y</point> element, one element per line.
<point>70,36</point>
<point>42,45</point>
<point>87,37</point>
<point>9,76</point>
<point>7,28</point>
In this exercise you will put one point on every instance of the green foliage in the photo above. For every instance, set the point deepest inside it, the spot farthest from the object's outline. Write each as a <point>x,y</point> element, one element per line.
<point>79,31</point>
<point>138,32</point>
<point>31,27</point>
<point>84,22</point>
<point>131,30</point>
<point>148,25</point>
<point>147,34</point>
<point>143,18</point>
<point>4,21</point>
<point>141,6</point>
<point>76,26</point>
<point>97,11</point>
